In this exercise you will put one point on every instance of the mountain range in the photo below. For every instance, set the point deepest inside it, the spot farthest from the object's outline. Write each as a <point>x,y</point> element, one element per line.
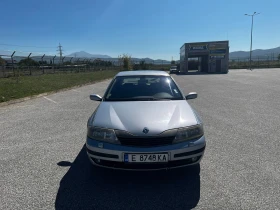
<point>83,54</point>
<point>257,52</point>
<point>235,54</point>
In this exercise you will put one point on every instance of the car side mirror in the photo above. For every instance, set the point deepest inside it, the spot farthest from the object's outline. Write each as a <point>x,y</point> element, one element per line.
<point>191,95</point>
<point>95,97</point>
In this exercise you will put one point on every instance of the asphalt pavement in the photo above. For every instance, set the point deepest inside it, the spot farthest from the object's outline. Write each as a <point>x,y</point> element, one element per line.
<point>43,163</point>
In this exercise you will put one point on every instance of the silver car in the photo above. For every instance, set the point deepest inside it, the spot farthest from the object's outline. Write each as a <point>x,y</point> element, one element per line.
<point>174,69</point>
<point>144,122</point>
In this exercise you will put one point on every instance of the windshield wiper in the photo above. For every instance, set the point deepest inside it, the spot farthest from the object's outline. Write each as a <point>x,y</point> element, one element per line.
<point>119,99</point>
<point>138,98</point>
<point>148,98</point>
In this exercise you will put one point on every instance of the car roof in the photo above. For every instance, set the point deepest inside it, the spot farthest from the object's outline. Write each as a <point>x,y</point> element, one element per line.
<point>143,72</point>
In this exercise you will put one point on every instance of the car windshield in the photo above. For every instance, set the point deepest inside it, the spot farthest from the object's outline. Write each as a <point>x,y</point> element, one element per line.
<point>142,88</point>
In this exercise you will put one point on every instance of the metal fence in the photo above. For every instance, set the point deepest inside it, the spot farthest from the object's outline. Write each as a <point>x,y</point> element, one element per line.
<point>270,61</point>
<point>37,65</point>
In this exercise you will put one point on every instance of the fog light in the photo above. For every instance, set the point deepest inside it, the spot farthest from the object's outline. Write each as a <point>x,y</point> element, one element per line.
<point>194,159</point>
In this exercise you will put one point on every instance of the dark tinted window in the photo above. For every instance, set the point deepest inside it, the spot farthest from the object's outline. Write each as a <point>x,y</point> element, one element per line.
<point>143,88</point>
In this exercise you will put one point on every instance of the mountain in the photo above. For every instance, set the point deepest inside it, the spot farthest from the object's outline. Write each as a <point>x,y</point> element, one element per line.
<point>83,54</point>
<point>257,52</point>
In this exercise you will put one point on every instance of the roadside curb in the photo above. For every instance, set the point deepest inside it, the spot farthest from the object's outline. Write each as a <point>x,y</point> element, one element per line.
<point>15,101</point>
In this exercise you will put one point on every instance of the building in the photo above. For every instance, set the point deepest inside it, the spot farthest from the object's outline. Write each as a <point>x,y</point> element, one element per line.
<point>213,56</point>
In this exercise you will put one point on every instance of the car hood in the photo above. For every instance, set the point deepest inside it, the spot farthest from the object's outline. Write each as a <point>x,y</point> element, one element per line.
<point>134,116</point>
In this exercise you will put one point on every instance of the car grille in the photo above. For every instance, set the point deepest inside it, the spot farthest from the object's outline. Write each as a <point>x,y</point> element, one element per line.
<point>146,142</point>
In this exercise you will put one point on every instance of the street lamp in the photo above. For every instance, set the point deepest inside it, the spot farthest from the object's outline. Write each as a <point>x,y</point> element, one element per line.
<point>251,36</point>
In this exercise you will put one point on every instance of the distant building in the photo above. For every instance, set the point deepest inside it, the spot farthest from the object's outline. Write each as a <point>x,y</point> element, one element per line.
<point>213,56</point>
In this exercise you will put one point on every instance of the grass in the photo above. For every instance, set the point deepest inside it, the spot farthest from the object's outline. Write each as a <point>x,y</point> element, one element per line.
<point>33,85</point>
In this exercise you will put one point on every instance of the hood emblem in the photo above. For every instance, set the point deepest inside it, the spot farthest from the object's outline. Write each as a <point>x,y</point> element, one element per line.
<point>145,130</point>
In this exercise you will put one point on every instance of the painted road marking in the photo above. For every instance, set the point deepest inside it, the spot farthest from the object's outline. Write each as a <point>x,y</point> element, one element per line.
<point>50,99</point>
<point>76,91</point>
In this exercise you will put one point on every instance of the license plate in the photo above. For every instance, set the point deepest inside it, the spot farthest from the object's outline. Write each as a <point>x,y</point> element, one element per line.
<point>146,158</point>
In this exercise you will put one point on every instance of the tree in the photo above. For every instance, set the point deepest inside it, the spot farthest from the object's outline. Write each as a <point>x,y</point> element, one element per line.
<point>125,61</point>
<point>279,57</point>
<point>173,63</point>
<point>141,66</point>
<point>28,62</point>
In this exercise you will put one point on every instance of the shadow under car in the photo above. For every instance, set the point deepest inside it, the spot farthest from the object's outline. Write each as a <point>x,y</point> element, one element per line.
<point>85,186</point>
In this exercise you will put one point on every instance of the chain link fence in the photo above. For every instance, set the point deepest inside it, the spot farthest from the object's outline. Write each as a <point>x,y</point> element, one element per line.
<point>12,66</point>
<point>269,61</point>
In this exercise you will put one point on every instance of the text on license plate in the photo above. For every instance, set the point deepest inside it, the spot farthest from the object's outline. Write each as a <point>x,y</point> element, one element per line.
<point>146,158</point>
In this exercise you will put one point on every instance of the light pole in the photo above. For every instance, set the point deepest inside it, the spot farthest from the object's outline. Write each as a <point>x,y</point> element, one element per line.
<point>251,37</point>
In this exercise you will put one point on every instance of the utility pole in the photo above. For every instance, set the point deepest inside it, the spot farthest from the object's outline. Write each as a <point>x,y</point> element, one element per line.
<point>60,52</point>
<point>251,37</point>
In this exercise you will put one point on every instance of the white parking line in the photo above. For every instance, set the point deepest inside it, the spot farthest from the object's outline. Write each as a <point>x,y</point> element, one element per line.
<point>76,91</point>
<point>50,99</point>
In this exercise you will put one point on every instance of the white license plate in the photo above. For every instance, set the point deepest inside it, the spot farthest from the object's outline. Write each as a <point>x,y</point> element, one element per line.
<point>146,158</point>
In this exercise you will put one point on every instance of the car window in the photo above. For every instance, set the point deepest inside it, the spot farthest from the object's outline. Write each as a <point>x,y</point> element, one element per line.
<point>131,88</point>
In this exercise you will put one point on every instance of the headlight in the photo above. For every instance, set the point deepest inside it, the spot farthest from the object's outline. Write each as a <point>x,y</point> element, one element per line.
<point>189,133</point>
<point>103,134</point>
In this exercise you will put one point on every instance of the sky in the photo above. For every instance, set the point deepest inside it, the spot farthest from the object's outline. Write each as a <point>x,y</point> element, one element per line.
<point>141,28</point>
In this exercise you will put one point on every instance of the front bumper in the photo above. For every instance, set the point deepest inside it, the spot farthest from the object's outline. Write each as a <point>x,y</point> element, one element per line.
<point>112,156</point>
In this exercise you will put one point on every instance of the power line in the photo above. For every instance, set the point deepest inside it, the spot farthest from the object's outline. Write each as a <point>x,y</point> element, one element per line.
<point>27,51</point>
<point>24,46</point>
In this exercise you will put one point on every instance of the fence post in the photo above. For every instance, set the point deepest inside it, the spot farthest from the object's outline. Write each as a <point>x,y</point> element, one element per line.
<point>78,65</point>
<point>53,64</point>
<point>28,64</point>
<point>268,61</point>
<point>71,64</point>
<point>84,63</point>
<point>12,57</point>
<point>42,63</point>
<point>63,63</point>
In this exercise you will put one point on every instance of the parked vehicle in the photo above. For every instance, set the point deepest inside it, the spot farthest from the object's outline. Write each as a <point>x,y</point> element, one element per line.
<point>144,122</point>
<point>174,69</point>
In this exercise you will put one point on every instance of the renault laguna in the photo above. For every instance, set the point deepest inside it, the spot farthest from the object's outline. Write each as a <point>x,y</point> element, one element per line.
<point>144,122</point>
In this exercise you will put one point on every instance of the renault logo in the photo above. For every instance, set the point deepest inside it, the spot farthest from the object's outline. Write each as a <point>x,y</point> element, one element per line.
<point>145,130</point>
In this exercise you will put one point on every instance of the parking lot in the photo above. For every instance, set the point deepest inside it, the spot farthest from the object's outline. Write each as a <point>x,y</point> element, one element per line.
<point>43,163</point>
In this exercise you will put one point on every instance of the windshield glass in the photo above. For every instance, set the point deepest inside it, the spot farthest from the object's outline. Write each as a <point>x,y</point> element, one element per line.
<point>135,88</point>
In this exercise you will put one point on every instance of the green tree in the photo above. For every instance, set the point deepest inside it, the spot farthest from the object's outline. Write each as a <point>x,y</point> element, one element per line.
<point>125,61</point>
<point>28,62</point>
